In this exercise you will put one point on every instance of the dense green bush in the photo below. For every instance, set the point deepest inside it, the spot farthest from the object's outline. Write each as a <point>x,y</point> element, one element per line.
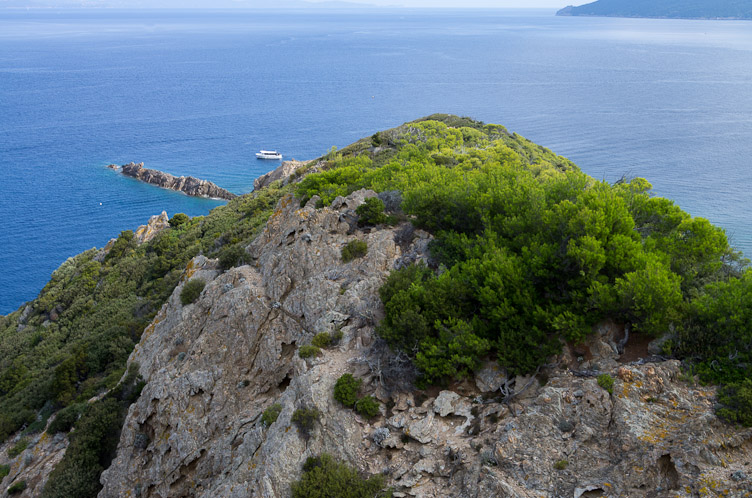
<point>17,487</point>
<point>535,252</point>
<point>736,400</point>
<point>191,290</point>
<point>4,471</point>
<point>718,335</point>
<point>324,477</point>
<point>66,418</point>
<point>232,256</point>
<point>606,382</point>
<point>179,219</point>
<point>346,390</point>
<point>305,420</point>
<point>270,414</point>
<point>371,212</point>
<point>353,250</point>
<point>309,351</point>
<point>367,406</point>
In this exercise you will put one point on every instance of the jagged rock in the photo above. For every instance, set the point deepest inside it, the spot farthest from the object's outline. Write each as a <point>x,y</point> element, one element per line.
<point>282,172</point>
<point>186,184</point>
<point>156,224</point>
<point>35,463</point>
<point>654,436</point>
<point>490,377</point>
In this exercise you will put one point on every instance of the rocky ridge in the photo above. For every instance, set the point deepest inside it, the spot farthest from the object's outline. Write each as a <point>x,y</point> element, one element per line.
<point>214,366</point>
<point>282,172</point>
<point>186,184</point>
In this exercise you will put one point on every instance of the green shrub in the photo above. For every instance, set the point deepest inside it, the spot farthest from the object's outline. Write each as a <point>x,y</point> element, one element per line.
<point>324,477</point>
<point>353,250</point>
<point>606,382</point>
<point>4,471</point>
<point>325,339</point>
<point>18,448</point>
<point>17,487</point>
<point>371,212</point>
<point>179,219</point>
<point>346,390</point>
<point>561,464</point>
<point>191,290</point>
<point>305,420</point>
<point>66,418</point>
<point>308,351</point>
<point>231,256</point>
<point>367,406</point>
<point>270,414</point>
<point>737,403</point>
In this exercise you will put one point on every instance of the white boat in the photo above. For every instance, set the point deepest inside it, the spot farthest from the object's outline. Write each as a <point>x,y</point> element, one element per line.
<point>268,154</point>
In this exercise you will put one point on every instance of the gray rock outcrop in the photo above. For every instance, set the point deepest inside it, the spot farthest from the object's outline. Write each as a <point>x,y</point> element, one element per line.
<point>214,366</point>
<point>186,184</point>
<point>282,172</point>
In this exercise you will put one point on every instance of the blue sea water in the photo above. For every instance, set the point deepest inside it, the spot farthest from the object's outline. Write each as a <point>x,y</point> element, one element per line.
<point>199,92</point>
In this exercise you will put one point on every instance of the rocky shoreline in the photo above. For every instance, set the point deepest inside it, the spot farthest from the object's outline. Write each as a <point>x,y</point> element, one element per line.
<point>186,184</point>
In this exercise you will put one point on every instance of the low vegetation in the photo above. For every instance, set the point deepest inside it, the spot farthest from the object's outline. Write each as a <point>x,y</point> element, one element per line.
<point>271,414</point>
<point>367,406</point>
<point>309,351</point>
<point>305,420</point>
<point>191,290</point>
<point>371,212</point>
<point>353,250</point>
<point>606,382</point>
<point>17,487</point>
<point>346,390</point>
<point>325,477</point>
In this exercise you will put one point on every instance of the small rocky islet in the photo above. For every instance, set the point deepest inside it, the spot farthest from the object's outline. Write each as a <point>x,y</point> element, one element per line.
<point>189,185</point>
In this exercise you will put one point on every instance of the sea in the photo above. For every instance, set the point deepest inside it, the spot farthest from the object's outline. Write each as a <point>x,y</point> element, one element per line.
<point>199,92</point>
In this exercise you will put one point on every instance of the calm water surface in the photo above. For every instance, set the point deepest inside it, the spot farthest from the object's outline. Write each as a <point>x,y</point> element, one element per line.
<point>198,93</point>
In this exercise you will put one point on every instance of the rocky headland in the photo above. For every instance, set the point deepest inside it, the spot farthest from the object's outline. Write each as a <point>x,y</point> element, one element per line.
<point>609,416</point>
<point>186,184</point>
<point>663,9</point>
<point>213,367</point>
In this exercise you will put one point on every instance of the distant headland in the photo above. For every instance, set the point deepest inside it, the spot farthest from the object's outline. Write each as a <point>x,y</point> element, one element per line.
<point>186,184</point>
<point>665,9</point>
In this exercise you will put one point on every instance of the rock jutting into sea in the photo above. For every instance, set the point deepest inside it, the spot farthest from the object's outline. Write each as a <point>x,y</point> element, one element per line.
<point>186,184</point>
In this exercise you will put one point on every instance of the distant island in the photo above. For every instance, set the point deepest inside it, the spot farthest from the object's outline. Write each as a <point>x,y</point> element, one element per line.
<point>667,9</point>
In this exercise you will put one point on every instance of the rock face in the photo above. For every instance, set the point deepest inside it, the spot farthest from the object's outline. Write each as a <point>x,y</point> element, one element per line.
<point>34,464</point>
<point>214,366</point>
<point>156,224</point>
<point>282,172</point>
<point>188,185</point>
